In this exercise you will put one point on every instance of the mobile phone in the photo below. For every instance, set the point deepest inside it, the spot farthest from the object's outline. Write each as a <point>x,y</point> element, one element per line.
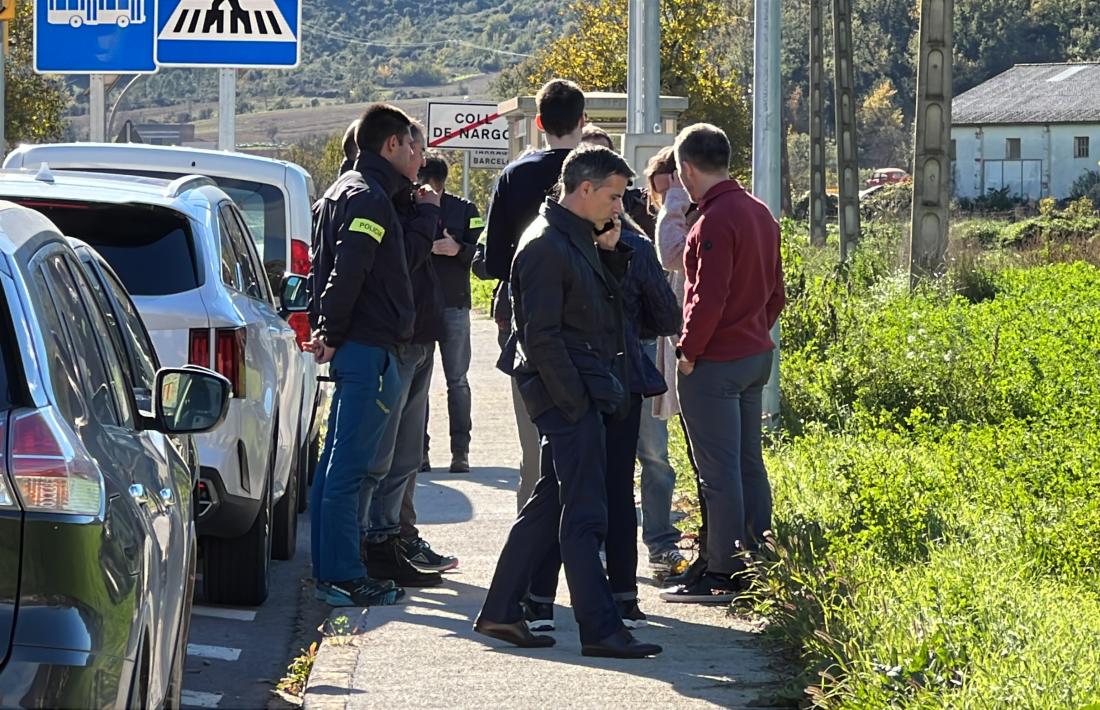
<point>606,228</point>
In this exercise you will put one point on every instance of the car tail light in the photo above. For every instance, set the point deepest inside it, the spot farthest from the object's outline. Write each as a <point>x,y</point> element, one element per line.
<point>52,470</point>
<point>302,332</point>
<point>229,357</point>
<point>7,498</point>
<point>300,262</point>
<point>198,347</point>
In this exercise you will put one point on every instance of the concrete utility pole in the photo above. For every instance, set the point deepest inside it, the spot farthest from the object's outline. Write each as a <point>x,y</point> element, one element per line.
<point>847,161</point>
<point>644,135</point>
<point>766,125</point>
<point>932,143</point>
<point>227,109</point>
<point>818,205</point>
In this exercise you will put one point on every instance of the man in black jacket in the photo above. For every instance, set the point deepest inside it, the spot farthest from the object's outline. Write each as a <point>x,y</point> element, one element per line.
<point>398,457</point>
<point>362,308</point>
<point>452,252</point>
<point>566,354</point>
<point>517,196</point>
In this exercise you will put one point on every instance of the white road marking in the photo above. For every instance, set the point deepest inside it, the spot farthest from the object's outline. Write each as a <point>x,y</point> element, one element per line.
<point>194,699</point>
<point>220,653</point>
<point>217,612</point>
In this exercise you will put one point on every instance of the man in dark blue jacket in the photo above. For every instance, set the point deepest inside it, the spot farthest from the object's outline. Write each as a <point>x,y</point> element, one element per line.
<point>363,308</point>
<point>517,196</point>
<point>565,353</point>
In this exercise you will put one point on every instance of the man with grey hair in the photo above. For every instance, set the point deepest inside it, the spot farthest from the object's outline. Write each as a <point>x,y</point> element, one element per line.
<point>732,298</point>
<point>565,351</point>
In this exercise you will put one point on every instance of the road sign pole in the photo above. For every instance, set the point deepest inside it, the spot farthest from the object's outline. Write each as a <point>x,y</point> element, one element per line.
<point>466,175</point>
<point>97,109</point>
<point>227,109</point>
<point>3,91</point>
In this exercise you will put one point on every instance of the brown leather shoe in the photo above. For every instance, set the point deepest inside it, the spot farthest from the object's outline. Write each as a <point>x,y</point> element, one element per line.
<point>516,633</point>
<point>620,644</point>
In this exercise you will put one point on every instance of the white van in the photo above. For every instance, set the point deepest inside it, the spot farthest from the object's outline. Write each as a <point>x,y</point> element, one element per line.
<point>274,196</point>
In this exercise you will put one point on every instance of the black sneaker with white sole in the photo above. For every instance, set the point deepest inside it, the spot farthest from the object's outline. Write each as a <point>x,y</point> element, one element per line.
<point>709,588</point>
<point>361,592</point>
<point>691,575</point>
<point>632,616</point>
<point>421,555</point>
<point>538,615</point>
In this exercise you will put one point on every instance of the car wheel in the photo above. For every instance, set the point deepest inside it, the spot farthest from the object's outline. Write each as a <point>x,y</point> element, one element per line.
<point>285,540</point>
<point>237,571</point>
<point>173,699</point>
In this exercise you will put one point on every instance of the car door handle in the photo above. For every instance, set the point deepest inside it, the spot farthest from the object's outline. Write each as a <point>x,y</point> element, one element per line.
<point>137,492</point>
<point>167,497</point>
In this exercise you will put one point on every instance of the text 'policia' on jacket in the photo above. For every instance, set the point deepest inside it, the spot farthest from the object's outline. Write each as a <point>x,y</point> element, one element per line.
<point>360,278</point>
<point>568,318</point>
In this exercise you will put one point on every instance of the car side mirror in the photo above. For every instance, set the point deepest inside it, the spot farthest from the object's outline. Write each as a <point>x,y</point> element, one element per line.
<point>190,400</point>
<point>294,294</point>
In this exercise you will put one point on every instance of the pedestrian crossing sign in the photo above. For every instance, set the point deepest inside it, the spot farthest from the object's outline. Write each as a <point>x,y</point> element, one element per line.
<point>229,33</point>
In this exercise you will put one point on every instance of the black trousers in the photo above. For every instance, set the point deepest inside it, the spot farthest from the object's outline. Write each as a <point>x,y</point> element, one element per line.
<point>621,544</point>
<point>568,508</point>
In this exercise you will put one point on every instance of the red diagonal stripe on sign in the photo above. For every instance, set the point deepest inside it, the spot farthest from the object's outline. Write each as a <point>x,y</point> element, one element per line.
<point>440,141</point>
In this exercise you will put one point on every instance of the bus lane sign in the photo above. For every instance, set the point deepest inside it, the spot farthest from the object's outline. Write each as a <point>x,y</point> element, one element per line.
<point>94,36</point>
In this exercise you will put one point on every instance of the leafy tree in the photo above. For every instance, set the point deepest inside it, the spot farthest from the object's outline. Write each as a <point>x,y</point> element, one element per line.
<point>34,104</point>
<point>884,139</point>
<point>593,52</point>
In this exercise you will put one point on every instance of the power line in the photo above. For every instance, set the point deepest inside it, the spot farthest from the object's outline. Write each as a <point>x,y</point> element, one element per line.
<point>407,45</point>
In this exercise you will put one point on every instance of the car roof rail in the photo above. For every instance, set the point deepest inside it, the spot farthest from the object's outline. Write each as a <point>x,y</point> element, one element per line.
<point>188,182</point>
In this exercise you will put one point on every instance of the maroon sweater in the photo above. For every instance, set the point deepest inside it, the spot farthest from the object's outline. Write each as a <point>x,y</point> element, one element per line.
<point>734,289</point>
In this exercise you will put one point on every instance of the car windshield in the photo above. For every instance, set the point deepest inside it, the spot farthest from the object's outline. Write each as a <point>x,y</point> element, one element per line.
<point>149,248</point>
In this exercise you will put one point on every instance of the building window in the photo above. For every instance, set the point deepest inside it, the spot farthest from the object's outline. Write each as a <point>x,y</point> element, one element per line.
<point>1012,149</point>
<point>1081,147</point>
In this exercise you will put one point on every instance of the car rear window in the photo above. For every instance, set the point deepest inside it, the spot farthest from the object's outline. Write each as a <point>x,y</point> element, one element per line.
<point>150,248</point>
<point>7,357</point>
<point>263,208</point>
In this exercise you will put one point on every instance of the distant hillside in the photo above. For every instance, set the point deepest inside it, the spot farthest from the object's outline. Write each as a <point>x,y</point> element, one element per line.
<point>360,50</point>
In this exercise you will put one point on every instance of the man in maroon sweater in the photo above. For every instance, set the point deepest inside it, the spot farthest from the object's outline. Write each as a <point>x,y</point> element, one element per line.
<point>732,298</point>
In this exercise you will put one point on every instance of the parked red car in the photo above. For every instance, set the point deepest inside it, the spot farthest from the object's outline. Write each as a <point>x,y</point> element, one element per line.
<point>885,176</point>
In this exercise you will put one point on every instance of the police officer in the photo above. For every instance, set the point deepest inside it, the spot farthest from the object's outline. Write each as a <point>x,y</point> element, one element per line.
<point>453,251</point>
<point>363,308</point>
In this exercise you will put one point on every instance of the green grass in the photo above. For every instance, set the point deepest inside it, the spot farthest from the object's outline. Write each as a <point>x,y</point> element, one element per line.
<point>936,523</point>
<point>481,293</point>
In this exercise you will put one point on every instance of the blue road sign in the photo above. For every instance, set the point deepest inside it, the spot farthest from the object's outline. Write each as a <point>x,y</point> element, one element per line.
<point>229,33</point>
<point>94,36</point>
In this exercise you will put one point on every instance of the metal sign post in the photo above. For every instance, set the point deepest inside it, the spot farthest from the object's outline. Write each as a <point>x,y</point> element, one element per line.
<point>466,175</point>
<point>227,109</point>
<point>97,109</point>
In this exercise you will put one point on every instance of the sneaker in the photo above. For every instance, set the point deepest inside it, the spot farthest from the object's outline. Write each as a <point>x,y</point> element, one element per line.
<point>423,557</point>
<point>538,615</point>
<point>632,616</point>
<point>691,575</point>
<point>361,592</point>
<point>707,589</point>
<point>668,563</point>
<point>460,462</point>
<point>385,560</point>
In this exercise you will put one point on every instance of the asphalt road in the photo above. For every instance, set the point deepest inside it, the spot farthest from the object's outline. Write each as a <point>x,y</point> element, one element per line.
<point>236,655</point>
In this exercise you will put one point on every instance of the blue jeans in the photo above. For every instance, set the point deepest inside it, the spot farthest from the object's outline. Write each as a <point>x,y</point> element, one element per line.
<point>454,351</point>
<point>658,477</point>
<point>401,447</point>
<point>367,384</point>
